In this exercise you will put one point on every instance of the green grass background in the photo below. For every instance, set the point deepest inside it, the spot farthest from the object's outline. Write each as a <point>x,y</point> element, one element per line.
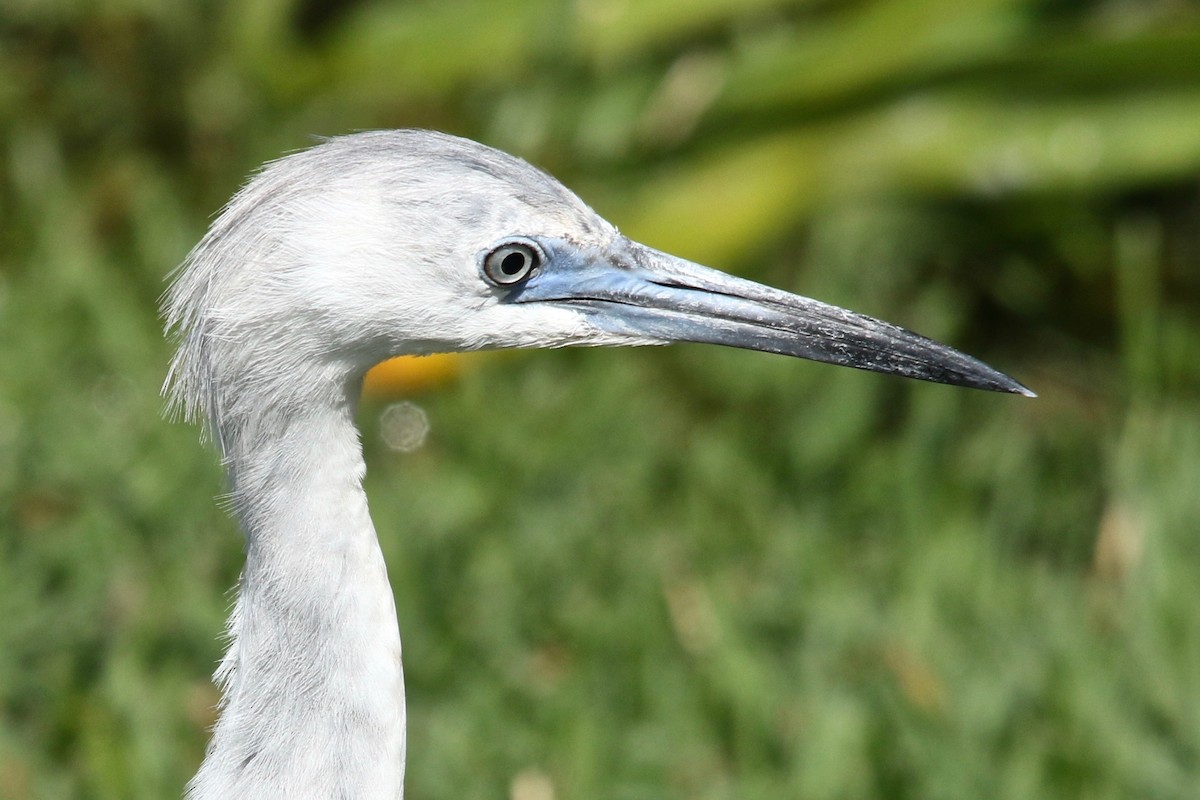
<point>668,573</point>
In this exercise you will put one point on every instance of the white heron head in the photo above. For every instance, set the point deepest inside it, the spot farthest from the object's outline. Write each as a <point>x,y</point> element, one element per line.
<point>390,242</point>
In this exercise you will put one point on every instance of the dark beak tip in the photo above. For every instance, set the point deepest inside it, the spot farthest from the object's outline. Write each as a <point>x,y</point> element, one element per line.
<point>1011,386</point>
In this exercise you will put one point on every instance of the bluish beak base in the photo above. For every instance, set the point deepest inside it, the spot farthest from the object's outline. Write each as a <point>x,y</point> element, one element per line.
<point>642,293</point>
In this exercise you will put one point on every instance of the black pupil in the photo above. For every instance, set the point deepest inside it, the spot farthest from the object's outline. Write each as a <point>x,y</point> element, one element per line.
<point>513,263</point>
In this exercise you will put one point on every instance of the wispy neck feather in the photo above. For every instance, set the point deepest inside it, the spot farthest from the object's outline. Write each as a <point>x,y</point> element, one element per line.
<point>313,698</point>
<point>312,684</point>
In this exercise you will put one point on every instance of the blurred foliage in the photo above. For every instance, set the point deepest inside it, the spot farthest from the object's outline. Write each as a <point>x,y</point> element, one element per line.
<point>672,573</point>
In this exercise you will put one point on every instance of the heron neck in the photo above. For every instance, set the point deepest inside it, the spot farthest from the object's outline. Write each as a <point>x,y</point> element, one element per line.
<point>313,696</point>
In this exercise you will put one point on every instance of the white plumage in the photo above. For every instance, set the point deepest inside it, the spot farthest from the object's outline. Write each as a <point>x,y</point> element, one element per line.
<point>374,245</point>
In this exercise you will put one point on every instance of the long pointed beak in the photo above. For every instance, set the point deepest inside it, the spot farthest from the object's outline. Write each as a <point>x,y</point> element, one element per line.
<point>636,291</point>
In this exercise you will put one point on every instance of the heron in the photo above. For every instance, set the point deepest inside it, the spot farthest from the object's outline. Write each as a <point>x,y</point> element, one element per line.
<point>384,243</point>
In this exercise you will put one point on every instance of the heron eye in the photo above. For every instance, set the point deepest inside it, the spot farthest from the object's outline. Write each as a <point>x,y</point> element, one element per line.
<point>510,263</point>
